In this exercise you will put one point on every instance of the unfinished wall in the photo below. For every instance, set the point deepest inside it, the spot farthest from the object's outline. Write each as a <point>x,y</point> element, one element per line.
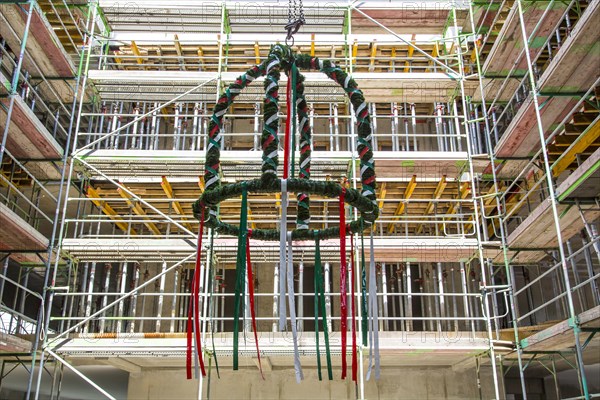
<point>395,383</point>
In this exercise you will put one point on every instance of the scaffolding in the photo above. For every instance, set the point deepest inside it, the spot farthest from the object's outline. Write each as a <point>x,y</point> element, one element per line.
<point>477,257</point>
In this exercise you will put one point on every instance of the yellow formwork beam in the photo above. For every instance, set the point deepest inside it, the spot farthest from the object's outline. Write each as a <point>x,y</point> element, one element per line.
<point>411,51</point>
<point>250,217</point>
<point>381,196</point>
<point>463,193</point>
<point>139,211</point>
<point>168,189</point>
<point>179,51</point>
<point>586,139</point>
<point>201,57</point>
<point>408,192</point>
<point>257,52</point>
<point>439,190</point>
<point>137,53</point>
<point>118,59</point>
<point>373,56</point>
<point>108,210</point>
<point>434,53</point>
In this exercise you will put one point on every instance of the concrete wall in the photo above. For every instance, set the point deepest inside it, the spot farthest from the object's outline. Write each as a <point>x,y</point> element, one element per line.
<point>395,383</point>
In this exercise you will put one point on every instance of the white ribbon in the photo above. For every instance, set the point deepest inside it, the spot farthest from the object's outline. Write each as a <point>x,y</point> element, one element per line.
<point>292,305</point>
<point>373,314</point>
<point>282,254</point>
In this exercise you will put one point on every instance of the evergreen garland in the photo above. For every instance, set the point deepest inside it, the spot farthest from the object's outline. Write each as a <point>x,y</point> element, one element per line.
<point>303,213</point>
<point>281,57</point>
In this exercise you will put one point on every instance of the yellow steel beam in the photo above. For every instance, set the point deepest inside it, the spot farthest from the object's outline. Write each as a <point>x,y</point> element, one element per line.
<point>201,57</point>
<point>463,193</point>
<point>108,210</point>
<point>312,45</point>
<point>354,51</point>
<point>434,53</point>
<point>392,61</point>
<point>137,53</point>
<point>411,51</point>
<point>179,51</point>
<point>250,217</point>
<point>168,189</point>
<point>491,199</point>
<point>135,206</point>
<point>381,196</point>
<point>408,192</point>
<point>118,60</point>
<point>159,53</point>
<point>439,190</point>
<point>257,52</point>
<point>201,184</point>
<point>4,182</point>
<point>586,139</point>
<point>373,55</point>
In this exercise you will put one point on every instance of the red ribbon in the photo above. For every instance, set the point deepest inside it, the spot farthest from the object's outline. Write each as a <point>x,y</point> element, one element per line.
<point>343,283</point>
<point>353,302</point>
<point>193,310</point>
<point>251,295</point>
<point>288,122</point>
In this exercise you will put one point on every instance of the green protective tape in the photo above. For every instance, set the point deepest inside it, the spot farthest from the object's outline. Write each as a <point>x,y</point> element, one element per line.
<point>579,181</point>
<point>240,273</point>
<point>562,214</point>
<point>537,42</point>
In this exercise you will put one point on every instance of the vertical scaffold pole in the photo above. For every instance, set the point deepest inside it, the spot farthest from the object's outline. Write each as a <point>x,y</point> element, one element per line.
<point>476,216</point>
<point>553,204</point>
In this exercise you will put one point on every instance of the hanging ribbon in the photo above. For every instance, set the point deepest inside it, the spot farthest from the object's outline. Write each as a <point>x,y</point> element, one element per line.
<point>251,295</point>
<point>240,280</point>
<point>292,104</point>
<point>363,286</point>
<point>283,255</point>
<point>288,122</point>
<point>316,298</point>
<point>283,263</point>
<point>292,305</point>
<point>210,302</point>
<point>343,283</point>
<point>374,312</point>
<point>320,308</point>
<point>353,302</point>
<point>193,324</point>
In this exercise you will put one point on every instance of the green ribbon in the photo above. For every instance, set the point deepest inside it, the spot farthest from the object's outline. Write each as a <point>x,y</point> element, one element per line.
<point>240,273</point>
<point>363,287</point>
<point>320,287</point>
